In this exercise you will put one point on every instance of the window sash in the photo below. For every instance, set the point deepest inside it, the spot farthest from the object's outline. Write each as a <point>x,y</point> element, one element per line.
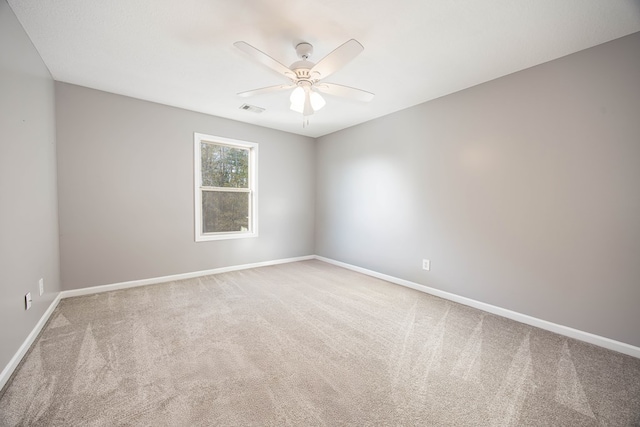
<point>249,213</point>
<point>247,149</point>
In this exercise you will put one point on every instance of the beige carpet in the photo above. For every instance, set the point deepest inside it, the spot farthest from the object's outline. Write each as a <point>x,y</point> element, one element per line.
<point>308,344</point>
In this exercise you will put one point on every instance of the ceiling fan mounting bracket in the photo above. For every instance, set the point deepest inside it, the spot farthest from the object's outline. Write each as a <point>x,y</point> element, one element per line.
<point>304,50</point>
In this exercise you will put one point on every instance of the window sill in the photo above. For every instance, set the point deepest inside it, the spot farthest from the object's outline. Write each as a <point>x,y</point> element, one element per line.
<point>211,237</point>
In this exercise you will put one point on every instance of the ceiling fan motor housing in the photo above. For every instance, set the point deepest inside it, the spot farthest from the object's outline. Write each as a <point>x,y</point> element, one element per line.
<point>302,69</point>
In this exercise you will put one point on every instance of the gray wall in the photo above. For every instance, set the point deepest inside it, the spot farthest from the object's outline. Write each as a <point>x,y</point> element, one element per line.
<point>28,205</point>
<point>524,192</point>
<point>125,183</point>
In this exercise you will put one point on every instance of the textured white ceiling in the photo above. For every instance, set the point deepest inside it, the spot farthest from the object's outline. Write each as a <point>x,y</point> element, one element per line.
<point>181,53</point>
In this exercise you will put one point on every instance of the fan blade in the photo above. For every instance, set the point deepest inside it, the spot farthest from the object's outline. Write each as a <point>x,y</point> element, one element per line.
<point>265,90</point>
<point>344,91</point>
<point>337,59</point>
<point>265,59</point>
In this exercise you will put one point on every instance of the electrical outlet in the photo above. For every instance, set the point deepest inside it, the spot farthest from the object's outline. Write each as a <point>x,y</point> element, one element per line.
<point>41,286</point>
<point>426,264</point>
<point>27,301</point>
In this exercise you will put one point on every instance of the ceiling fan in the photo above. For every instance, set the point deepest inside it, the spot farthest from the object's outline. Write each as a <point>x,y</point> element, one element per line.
<point>305,77</point>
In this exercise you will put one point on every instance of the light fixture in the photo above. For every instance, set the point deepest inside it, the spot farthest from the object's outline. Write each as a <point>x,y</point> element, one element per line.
<point>317,102</point>
<point>305,101</point>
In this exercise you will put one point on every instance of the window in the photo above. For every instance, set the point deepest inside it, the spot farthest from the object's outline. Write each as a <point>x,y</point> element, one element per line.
<point>225,188</point>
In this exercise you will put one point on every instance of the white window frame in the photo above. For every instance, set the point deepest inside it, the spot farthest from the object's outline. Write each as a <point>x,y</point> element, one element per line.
<point>198,139</point>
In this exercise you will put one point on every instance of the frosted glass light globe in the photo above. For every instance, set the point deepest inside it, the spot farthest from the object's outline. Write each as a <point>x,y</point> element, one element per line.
<point>317,101</point>
<point>297,96</point>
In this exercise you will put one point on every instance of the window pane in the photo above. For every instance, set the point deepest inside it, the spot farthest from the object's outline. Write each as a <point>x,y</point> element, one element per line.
<point>224,166</point>
<point>225,211</point>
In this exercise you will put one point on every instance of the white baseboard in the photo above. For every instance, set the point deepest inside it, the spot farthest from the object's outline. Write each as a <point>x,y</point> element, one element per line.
<point>15,360</point>
<point>174,277</point>
<point>513,315</point>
